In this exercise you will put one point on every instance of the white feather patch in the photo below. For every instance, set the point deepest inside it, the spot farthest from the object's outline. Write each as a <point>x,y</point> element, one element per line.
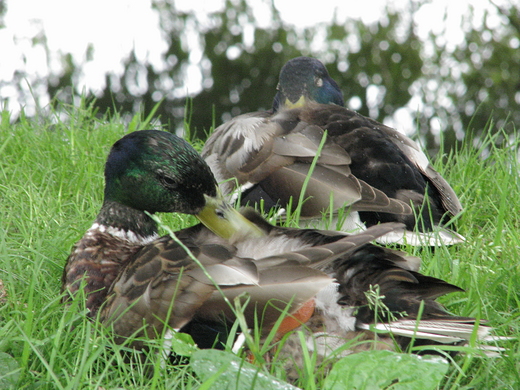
<point>337,318</point>
<point>122,234</point>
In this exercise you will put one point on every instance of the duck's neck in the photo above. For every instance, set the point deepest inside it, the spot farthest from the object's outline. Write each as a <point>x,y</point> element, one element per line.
<point>126,223</point>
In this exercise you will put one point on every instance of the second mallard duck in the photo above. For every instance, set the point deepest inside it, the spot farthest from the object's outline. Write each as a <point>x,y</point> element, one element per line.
<point>379,174</point>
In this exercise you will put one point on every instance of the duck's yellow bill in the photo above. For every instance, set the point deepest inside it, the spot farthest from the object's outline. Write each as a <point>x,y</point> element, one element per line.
<point>222,219</point>
<point>300,103</point>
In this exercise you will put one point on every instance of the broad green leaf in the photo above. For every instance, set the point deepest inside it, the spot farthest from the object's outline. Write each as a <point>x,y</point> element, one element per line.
<point>183,344</point>
<point>225,371</point>
<point>374,370</point>
<point>9,371</point>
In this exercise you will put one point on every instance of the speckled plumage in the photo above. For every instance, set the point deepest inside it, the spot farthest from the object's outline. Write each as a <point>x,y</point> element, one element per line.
<point>96,260</point>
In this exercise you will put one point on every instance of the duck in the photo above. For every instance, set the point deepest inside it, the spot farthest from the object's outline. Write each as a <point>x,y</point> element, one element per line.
<point>130,276</point>
<point>311,153</point>
<point>140,285</point>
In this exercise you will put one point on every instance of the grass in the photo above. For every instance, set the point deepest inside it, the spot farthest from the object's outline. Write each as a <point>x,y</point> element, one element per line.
<point>51,185</point>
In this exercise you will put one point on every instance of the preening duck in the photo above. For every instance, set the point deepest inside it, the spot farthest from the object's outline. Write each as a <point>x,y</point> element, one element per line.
<point>122,265</point>
<point>379,174</point>
<point>137,282</point>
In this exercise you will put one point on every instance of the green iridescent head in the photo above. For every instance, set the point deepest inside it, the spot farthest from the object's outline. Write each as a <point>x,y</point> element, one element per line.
<point>157,171</point>
<point>305,79</point>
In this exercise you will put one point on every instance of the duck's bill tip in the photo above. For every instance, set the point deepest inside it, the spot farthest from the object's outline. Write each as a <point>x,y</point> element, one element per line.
<point>223,220</point>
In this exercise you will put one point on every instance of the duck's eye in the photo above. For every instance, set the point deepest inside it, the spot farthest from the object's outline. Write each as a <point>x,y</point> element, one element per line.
<point>318,82</point>
<point>219,213</point>
<point>168,182</point>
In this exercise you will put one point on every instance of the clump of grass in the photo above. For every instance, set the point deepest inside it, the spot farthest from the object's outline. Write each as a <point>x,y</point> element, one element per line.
<point>51,185</point>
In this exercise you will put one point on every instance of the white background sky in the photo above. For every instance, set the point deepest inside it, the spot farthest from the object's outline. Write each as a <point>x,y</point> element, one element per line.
<point>114,27</point>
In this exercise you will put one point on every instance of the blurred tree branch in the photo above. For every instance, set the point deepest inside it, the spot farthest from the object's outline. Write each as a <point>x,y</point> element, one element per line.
<point>381,67</point>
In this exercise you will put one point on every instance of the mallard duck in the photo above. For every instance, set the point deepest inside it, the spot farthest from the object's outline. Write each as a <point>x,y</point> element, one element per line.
<point>122,265</point>
<point>136,282</point>
<point>373,170</point>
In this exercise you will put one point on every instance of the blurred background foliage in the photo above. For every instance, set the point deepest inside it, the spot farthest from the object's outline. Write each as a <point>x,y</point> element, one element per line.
<point>383,68</point>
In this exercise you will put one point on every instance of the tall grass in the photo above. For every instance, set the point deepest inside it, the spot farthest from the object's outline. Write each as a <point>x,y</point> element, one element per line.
<point>51,185</point>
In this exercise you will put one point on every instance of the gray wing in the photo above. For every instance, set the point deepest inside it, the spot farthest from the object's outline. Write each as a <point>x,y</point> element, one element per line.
<point>269,157</point>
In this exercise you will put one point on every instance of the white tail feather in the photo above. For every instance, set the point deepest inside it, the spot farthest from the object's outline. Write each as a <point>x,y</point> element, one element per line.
<point>434,330</point>
<point>438,237</point>
<point>445,332</point>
